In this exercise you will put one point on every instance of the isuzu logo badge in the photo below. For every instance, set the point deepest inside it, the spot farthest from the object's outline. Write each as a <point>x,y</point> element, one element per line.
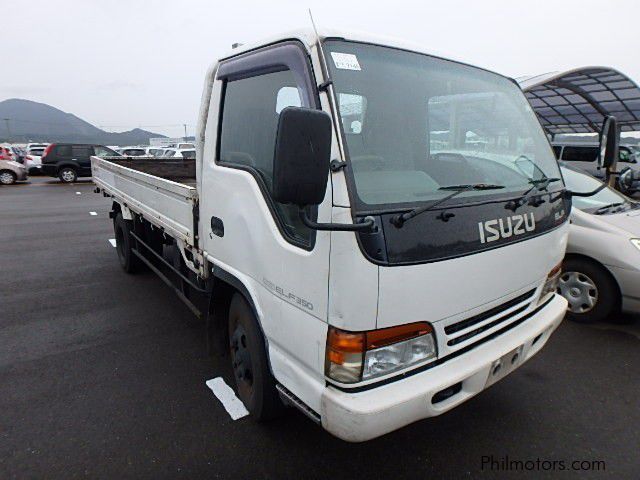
<point>492,230</point>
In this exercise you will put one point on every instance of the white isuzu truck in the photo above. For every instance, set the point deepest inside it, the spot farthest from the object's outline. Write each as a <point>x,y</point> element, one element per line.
<point>372,233</point>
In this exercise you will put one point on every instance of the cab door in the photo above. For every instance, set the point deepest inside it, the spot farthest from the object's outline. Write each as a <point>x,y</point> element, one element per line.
<point>247,234</point>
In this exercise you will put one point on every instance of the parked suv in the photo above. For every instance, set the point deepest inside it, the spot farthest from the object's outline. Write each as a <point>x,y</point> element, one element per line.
<point>68,161</point>
<point>585,157</point>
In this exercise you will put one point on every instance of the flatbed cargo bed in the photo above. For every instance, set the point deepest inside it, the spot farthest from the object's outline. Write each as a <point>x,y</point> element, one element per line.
<point>162,191</point>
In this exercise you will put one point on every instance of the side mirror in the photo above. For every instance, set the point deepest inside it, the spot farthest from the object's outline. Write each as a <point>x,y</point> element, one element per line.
<point>301,158</point>
<point>609,143</point>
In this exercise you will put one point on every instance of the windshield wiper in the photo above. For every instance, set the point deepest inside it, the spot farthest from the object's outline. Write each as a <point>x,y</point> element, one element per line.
<point>539,185</point>
<point>401,218</point>
<point>605,208</point>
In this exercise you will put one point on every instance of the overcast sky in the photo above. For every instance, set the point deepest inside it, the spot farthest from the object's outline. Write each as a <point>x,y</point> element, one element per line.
<point>120,64</point>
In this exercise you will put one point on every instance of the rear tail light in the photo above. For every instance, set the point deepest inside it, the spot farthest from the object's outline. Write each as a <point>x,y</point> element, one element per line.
<point>355,356</point>
<point>47,150</point>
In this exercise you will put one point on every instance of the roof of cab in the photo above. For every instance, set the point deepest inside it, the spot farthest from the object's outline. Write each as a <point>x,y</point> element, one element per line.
<point>307,37</point>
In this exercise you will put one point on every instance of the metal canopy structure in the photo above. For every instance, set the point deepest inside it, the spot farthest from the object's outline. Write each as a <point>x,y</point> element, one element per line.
<point>577,101</point>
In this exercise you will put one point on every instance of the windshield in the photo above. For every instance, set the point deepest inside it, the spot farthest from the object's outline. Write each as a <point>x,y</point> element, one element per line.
<point>582,183</point>
<point>415,123</point>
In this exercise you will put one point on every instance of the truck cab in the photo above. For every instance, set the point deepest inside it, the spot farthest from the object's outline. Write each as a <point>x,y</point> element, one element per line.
<point>425,269</point>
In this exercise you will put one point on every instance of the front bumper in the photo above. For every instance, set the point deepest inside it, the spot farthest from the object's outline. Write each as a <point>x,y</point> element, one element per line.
<point>357,417</point>
<point>21,175</point>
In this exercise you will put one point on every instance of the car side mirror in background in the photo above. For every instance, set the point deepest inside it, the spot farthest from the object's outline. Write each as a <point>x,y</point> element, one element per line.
<point>302,154</point>
<point>609,143</point>
<point>301,164</point>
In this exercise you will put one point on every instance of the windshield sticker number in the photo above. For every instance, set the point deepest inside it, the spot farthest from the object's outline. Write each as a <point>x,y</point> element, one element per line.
<point>345,61</point>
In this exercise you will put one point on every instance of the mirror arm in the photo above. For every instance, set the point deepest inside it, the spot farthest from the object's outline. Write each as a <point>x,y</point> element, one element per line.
<point>367,225</point>
<point>587,194</point>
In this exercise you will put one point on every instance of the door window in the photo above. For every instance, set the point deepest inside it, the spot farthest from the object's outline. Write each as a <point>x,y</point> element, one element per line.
<point>102,152</point>
<point>580,154</point>
<point>80,151</point>
<point>249,123</point>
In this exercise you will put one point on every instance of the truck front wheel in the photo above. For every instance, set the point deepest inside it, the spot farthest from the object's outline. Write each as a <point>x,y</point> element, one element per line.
<point>255,384</point>
<point>129,262</point>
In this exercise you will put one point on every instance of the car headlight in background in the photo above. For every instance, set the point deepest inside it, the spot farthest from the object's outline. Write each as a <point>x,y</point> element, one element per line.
<point>355,356</point>
<point>551,284</point>
<point>636,242</point>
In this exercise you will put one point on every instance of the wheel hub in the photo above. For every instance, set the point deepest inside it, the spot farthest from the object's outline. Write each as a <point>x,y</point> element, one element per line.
<point>580,291</point>
<point>6,178</point>
<point>241,357</point>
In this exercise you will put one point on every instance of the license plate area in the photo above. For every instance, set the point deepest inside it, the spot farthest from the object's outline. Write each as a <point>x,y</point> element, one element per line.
<point>503,366</point>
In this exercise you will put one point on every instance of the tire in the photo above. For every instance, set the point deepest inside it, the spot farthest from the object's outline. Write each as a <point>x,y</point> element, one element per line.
<point>255,385</point>
<point>129,262</point>
<point>67,175</point>
<point>591,291</point>
<point>8,178</point>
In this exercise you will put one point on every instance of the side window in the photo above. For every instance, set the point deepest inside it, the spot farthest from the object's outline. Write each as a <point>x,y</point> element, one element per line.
<point>557,149</point>
<point>80,151</point>
<point>580,154</point>
<point>63,150</point>
<point>102,152</point>
<point>248,133</point>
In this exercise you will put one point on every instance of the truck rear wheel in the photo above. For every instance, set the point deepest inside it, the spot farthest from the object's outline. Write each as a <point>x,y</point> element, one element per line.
<point>255,385</point>
<point>129,262</point>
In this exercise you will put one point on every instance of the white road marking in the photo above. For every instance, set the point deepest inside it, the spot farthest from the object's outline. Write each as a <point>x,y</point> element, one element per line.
<point>78,193</point>
<point>92,213</point>
<point>232,404</point>
<point>112,241</point>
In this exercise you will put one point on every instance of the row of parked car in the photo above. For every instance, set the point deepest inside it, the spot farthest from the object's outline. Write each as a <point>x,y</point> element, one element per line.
<point>17,162</point>
<point>68,161</point>
<point>183,150</point>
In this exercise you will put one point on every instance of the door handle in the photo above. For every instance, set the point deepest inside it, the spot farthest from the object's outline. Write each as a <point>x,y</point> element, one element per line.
<point>217,226</point>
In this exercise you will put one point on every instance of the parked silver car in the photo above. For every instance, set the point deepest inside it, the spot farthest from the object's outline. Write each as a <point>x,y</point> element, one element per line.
<point>601,270</point>
<point>12,172</point>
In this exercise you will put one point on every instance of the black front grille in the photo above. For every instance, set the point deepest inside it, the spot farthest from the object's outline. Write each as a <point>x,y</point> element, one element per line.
<point>468,322</point>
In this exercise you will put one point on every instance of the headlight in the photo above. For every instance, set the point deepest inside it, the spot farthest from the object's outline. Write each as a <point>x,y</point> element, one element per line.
<point>636,242</point>
<point>551,284</point>
<point>355,356</point>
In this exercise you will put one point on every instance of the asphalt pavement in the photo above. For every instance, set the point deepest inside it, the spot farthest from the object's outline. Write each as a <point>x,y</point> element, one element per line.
<point>102,375</point>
